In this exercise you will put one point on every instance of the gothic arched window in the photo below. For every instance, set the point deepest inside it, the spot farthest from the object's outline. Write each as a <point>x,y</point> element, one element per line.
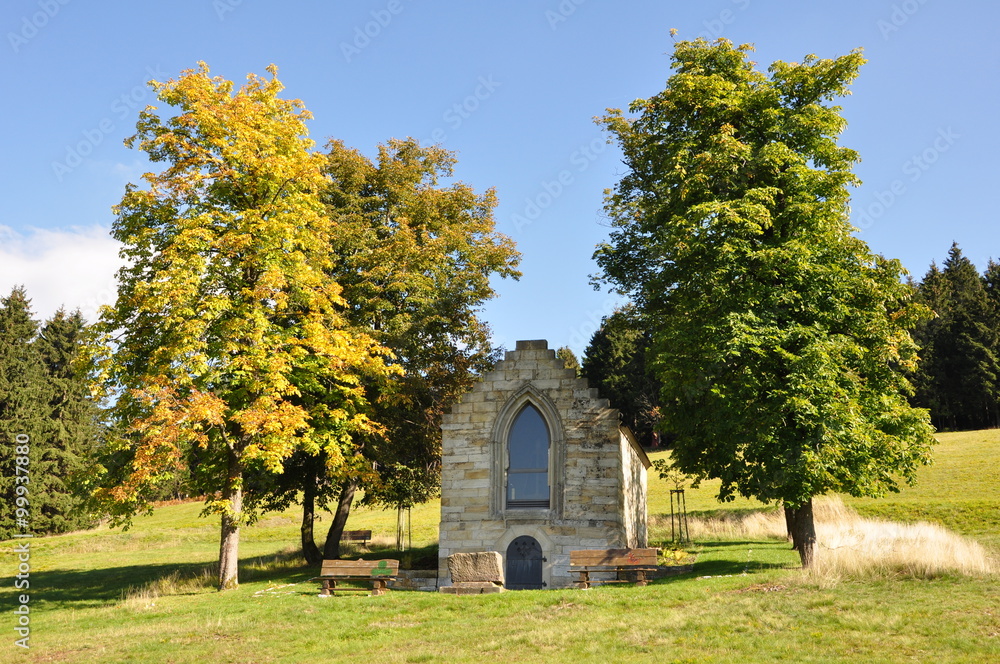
<point>528,460</point>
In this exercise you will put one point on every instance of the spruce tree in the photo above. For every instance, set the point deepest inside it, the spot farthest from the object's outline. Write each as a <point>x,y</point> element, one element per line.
<point>959,381</point>
<point>23,398</point>
<point>933,293</point>
<point>71,425</point>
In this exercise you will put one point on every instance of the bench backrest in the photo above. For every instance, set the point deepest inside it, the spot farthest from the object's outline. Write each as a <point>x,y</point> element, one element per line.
<point>613,557</point>
<point>356,535</point>
<point>372,568</point>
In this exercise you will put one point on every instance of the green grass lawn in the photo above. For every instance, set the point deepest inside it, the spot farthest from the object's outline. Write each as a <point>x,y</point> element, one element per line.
<point>745,601</point>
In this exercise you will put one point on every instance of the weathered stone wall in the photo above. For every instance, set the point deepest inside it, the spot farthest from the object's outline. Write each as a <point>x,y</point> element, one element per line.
<point>597,475</point>
<point>634,463</point>
<point>415,579</point>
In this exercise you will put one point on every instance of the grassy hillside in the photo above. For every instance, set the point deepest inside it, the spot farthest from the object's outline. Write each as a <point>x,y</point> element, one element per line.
<point>960,490</point>
<point>145,596</point>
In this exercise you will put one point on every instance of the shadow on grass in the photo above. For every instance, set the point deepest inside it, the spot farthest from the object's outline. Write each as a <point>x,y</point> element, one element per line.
<point>707,565</point>
<point>74,588</point>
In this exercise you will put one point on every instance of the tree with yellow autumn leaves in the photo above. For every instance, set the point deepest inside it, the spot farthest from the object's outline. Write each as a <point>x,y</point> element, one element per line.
<point>227,322</point>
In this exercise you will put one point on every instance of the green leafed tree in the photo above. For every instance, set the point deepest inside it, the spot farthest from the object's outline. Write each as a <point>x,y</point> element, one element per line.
<point>780,339</point>
<point>566,354</point>
<point>227,348</point>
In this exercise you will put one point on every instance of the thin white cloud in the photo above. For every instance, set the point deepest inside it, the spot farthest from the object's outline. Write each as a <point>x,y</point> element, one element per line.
<point>72,268</point>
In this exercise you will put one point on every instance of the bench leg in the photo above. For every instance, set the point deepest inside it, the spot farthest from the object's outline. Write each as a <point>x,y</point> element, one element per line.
<point>584,580</point>
<point>328,587</point>
<point>640,578</point>
<point>378,586</point>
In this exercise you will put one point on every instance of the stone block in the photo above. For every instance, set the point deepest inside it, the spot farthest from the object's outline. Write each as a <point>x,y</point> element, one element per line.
<point>482,566</point>
<point>481,418</point>
<point>472,484</point>
<point>473,396</point>
<point>546,384</point>
<point>471,589</point>
<point>521,375</point>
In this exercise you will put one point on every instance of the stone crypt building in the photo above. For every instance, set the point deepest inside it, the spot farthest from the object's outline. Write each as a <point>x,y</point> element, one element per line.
<point>534,465</point>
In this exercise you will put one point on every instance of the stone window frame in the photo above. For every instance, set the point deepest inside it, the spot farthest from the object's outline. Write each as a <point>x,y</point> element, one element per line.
<point>527,394</point>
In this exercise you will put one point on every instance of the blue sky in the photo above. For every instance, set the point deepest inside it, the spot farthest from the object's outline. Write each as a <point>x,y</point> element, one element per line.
<point>513,88</point>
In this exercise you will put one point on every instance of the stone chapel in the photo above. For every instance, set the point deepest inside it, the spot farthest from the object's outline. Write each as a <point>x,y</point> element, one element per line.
<point>535,465</point>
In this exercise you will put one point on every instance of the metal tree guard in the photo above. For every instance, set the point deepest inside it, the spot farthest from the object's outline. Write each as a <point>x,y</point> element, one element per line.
<point>679,516</point>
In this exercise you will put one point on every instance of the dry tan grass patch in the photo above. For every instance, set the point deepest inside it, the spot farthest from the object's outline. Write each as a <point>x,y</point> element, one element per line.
<point>730,525</point>
<point>854,547</point>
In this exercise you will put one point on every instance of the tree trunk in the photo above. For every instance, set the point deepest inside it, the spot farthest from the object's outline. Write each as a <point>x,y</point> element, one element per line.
<point>788,525</point>
<point>310,551</point>
<point>803,531</point>
<point>229,548</point>
<point>331,551</point>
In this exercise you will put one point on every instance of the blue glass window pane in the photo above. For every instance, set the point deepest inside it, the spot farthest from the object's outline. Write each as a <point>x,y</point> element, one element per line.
<point>527,486</point>
<point>529,441</point>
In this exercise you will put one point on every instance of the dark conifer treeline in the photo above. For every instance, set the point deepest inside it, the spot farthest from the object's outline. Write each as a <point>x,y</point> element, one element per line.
<point>615,363</point>
<point>959,374</point>
<point>44,400</point>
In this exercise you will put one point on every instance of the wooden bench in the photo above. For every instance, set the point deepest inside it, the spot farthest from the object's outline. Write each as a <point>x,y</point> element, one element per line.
<point>379,572</point>
<point>633,563</point>
<point>356,536</point>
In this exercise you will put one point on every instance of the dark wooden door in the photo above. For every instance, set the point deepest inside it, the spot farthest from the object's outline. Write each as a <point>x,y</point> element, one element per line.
<point>524,564</point>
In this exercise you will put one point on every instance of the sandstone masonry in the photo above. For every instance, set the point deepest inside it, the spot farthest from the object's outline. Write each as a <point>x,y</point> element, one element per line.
<point>596,470</point>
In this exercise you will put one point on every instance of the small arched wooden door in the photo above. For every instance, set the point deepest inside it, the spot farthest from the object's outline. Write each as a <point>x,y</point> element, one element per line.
<point>524,564</point>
